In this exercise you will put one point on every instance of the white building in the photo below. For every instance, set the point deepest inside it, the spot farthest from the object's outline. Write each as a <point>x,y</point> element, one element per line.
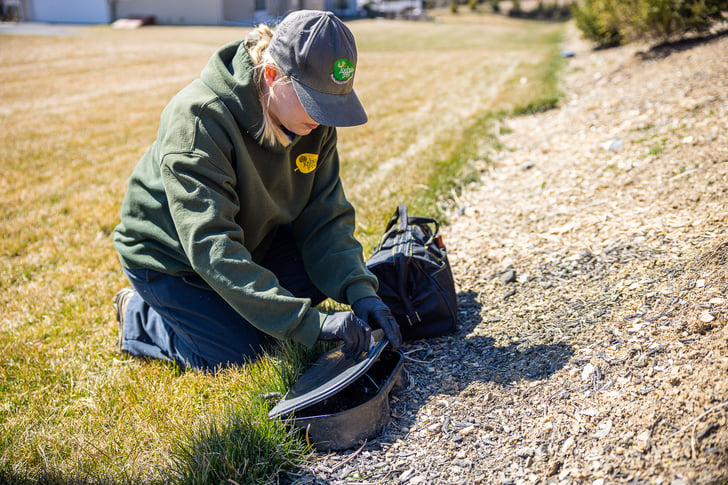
<point>394,8</point>
<point>175,12</point>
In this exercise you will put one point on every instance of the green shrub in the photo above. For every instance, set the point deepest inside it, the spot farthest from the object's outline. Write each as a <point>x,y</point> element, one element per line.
<point>610,22</point>
<point>670,18</point>
<point>598,21</point>
<point>549,11</point>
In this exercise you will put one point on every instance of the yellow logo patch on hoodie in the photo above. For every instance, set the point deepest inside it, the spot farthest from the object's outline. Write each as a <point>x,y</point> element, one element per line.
<point>306,162</point>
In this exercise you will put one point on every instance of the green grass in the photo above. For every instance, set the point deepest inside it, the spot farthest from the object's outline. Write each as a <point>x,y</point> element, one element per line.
<point>78,112</point>
<point>656,149</point>
<point>243,444</point>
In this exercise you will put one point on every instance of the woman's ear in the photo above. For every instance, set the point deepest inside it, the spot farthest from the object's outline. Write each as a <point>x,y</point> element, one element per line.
<point>270,74</point>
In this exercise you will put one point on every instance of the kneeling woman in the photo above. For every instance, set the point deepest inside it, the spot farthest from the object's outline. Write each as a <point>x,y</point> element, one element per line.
<point>235,224</point>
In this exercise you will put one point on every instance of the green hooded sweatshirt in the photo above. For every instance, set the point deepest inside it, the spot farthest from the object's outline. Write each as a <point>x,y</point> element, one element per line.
<point>207,193</point>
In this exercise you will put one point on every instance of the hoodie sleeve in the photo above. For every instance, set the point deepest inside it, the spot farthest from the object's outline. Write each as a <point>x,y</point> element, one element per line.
<point>203,204</point>
<point>325,232</point>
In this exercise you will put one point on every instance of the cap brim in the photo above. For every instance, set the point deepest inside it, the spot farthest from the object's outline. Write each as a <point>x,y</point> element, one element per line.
<point>331,109</point>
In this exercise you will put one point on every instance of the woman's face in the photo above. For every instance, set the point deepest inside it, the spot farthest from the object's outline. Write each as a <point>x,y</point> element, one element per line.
<point>285,107</point>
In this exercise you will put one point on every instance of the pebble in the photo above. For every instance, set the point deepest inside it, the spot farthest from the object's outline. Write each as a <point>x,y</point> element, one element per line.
<point>643,441</point>
<point>509,276</point>
<point>525,452</point>
<point>568,444</point>
<point>553,468</point>
<point>706,317</point>
<point>406,475</point>
<point>591,412</point>
<point>467,430</point>
<point>636,327</point>
<point>603,428</point>
<point>587,372</point>
<point>613,145</point>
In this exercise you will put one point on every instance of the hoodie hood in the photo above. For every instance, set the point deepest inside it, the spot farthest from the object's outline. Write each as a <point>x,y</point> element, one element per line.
<point>229,74</point>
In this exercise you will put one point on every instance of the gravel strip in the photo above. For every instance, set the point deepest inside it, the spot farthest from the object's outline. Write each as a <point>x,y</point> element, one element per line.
<point>591,269</point>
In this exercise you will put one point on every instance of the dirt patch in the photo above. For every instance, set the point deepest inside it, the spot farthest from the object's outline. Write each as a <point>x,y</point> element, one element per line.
<point>591,268</point>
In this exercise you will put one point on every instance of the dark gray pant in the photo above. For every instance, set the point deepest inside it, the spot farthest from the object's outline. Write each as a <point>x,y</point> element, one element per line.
<point>183,320</point>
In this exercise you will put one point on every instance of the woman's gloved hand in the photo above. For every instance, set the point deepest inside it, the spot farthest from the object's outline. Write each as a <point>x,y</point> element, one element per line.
<point>345,326</point>
<point>378,315</point>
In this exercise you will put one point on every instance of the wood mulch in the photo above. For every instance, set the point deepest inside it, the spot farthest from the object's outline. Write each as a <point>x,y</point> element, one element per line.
<point>591,269</point>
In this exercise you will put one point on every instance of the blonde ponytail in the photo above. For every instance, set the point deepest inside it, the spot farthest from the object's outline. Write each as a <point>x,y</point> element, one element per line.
<point>257,44</point>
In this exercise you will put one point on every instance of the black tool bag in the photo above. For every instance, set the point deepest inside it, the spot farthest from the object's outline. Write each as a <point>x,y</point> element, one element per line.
<point>415,279</point>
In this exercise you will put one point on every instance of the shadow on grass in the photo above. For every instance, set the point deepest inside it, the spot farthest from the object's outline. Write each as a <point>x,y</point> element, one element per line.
<point>51,477</point>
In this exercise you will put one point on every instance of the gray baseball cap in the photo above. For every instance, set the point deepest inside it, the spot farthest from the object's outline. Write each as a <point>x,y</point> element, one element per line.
<point>317,51</point>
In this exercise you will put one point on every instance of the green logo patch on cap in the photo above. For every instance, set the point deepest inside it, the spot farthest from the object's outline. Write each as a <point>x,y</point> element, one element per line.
<point>343,71</point>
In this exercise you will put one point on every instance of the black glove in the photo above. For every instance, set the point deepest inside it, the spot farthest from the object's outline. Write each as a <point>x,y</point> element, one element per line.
<point>373,311</point>
<point>345,326</point>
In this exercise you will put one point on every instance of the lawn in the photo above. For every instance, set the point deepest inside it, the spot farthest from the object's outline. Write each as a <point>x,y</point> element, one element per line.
<point>78,110</point>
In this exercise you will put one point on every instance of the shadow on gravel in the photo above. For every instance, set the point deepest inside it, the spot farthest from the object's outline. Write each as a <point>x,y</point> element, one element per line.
<point>665,49</point>
<point>480,359</point>
<point>449,365</point>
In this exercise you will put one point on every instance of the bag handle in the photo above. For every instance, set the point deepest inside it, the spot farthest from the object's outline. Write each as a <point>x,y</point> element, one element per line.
<point>401,220</point>
<point>400,214</point>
